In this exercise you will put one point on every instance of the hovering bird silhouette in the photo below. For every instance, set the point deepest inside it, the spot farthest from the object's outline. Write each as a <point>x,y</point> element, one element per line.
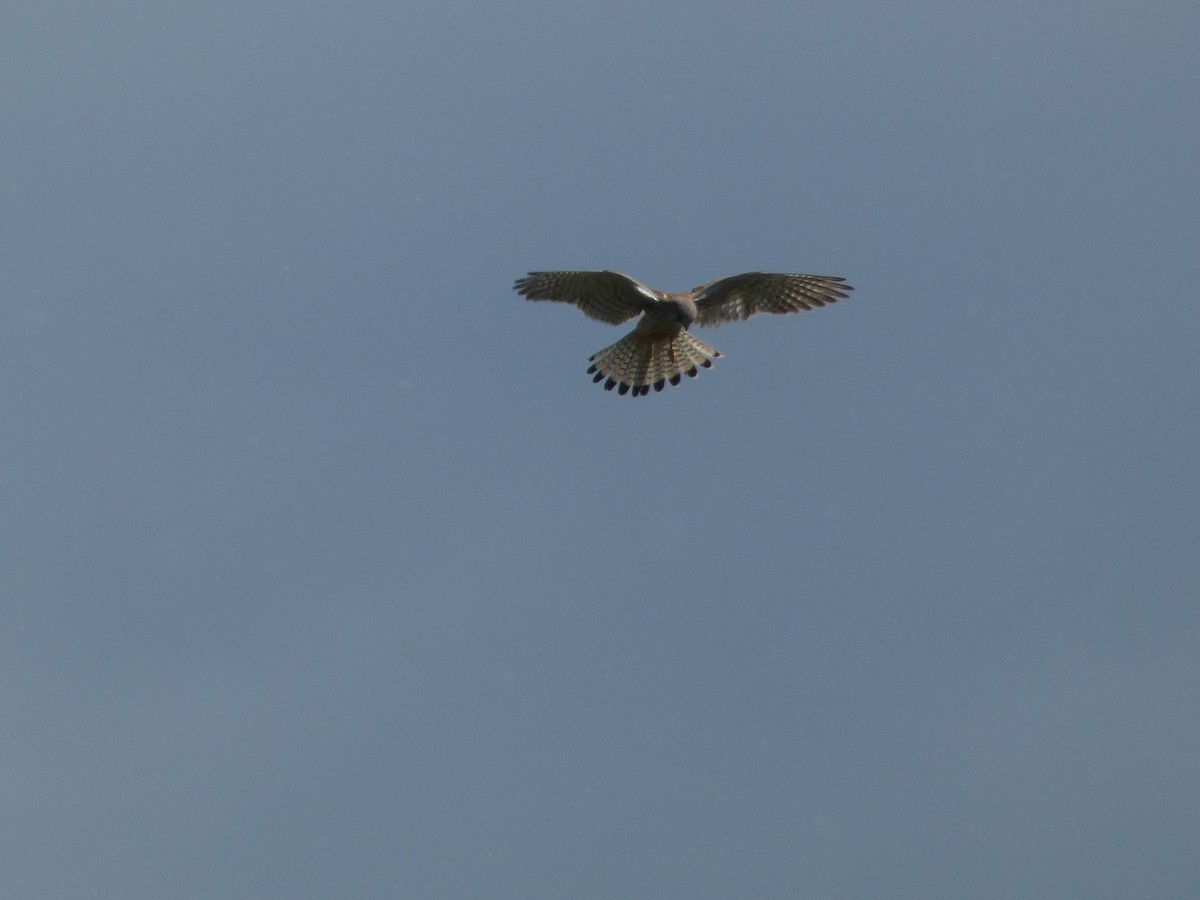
<point>659,350</point>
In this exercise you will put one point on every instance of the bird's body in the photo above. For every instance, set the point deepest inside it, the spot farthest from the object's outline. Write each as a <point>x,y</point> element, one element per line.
<point>660,350</point>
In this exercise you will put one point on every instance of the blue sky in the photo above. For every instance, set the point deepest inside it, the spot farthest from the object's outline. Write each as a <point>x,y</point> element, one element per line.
<point>328,572</point>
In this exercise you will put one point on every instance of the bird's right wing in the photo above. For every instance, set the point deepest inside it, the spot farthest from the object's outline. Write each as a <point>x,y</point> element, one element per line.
<point>742,296</point>
<point>608,296</point>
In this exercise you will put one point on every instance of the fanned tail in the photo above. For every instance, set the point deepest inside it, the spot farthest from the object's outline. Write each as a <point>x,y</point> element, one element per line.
<point>638,362</point>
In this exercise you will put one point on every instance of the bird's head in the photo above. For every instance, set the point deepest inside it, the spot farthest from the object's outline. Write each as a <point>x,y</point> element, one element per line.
<point>680,308</point>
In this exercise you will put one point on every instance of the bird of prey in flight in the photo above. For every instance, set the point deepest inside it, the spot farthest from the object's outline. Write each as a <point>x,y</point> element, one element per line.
<point>660,350</point>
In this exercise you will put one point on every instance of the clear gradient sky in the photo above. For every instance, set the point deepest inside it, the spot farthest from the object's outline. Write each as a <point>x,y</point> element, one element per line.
<point>326,572</point>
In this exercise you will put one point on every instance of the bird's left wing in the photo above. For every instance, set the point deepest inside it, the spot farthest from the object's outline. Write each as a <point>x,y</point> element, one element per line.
<point>741,296</point>
<point>608,296</point>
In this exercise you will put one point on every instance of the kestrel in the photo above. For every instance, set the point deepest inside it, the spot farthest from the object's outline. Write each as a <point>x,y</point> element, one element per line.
<point>659,350</point>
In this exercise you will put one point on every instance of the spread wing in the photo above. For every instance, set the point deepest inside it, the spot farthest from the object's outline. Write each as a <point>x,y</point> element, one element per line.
<point>741,296</point>
<point>608,296</point>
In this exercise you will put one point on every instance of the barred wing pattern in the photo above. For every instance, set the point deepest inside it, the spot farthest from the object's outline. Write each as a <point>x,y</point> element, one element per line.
<point>741,296</point>
<point>608,296</point>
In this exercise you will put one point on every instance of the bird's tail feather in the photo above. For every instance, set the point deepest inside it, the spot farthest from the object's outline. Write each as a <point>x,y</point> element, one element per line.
<point>638,362</point>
